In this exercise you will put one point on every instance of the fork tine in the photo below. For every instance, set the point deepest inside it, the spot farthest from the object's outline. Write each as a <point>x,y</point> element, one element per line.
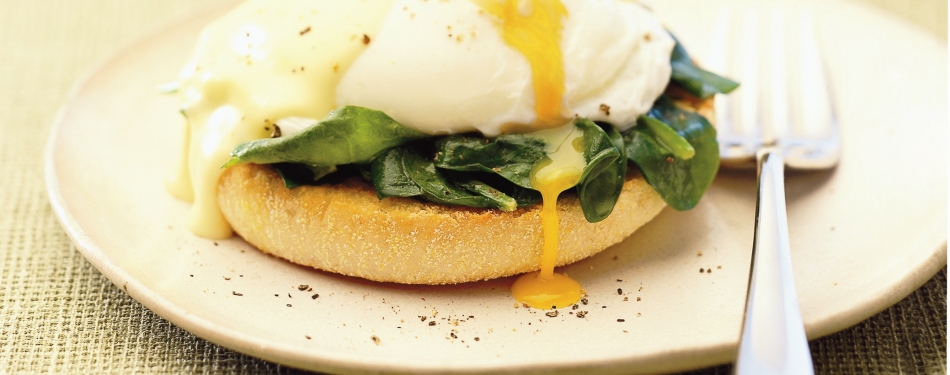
<point>815,108</point>
<point>816,144</point>
<point>775,90</point>
<point>735,53</point>
<point>796,86</point>
<point>748,65</point>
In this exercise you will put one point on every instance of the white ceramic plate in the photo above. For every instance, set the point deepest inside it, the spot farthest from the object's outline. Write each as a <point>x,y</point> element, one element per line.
<point>863,236</point>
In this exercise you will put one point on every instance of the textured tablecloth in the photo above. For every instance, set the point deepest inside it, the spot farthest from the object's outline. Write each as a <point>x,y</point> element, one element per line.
<point>59,314</point>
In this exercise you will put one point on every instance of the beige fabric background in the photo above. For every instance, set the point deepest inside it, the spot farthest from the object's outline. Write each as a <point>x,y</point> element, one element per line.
<point>58,314</point>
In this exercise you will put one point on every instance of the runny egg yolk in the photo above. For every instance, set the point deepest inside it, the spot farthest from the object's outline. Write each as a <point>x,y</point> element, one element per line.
<point>533,27</point>
<point>559,171</point>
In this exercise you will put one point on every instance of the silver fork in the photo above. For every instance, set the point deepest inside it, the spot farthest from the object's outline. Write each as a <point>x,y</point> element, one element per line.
<point>782,115</point>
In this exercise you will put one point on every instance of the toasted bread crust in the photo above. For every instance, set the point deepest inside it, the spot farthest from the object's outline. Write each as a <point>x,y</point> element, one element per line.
<point>346,229</point>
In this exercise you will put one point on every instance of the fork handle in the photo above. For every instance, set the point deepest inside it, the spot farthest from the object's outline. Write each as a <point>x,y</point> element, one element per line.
<point>773,337</point>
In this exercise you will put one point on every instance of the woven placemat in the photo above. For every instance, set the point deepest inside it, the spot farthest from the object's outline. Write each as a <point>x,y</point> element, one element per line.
<point>59,314</point>
<point>907,338</point>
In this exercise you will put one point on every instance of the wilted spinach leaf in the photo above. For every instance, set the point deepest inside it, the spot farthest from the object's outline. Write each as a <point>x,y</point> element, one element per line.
<point>515,156</point>
<point>680,182</point>
<point>405,172</point>
<point>347,135</point>
<point>296,175</point>
<point>510,156</point>
<point>502,200</point>
<point>602,179</point>
<point>697,81</point>
<point>390,176</point>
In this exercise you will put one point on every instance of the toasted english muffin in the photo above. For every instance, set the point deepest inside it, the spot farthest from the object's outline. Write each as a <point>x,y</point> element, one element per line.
<point>344,228</point>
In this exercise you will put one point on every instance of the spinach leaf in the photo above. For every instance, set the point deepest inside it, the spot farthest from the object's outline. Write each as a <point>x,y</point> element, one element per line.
<point>405,172</point>
<point>510,156</point>
<point>347,135</point>
<point>697,81</point>
<point>502,200</point>
<point>513,157</point>
<point>602,179</point>
<point>669,138</point>
<point>296,174</point>
<point>680,182</point>
<point>391,177</point>
<point>522,195</point>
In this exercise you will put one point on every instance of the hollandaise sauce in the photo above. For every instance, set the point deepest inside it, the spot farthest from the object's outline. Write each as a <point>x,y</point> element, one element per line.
<point>246,75</point>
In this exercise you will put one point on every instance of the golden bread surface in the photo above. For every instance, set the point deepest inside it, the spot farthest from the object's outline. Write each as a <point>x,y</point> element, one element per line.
<point>346,229</point>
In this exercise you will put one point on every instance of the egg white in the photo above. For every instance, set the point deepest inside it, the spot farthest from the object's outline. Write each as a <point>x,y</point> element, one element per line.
<point>443,67</point>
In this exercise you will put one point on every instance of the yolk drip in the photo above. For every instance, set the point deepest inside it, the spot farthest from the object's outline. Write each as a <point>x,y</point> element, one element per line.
<point>533,27</point>
<point>560,171</point>
<point>545,289</point>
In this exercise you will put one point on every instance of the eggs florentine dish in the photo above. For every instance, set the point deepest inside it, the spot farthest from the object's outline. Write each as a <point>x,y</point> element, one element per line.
<point>428,142</point>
